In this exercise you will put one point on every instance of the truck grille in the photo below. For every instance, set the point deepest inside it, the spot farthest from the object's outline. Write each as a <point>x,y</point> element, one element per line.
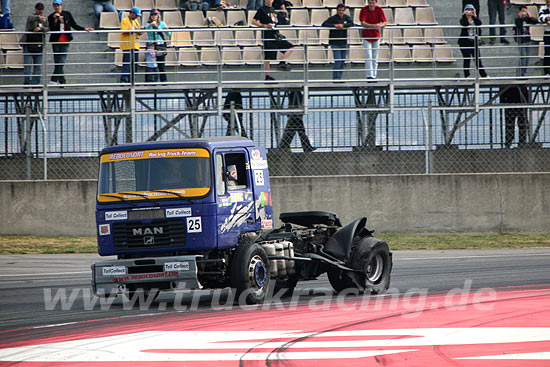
<point>157,234</point>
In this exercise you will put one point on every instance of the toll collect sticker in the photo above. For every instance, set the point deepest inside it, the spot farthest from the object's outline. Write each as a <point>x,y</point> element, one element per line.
<point>179,266</point>
<point>178,212</point>
<point>119,215</point>
<point>257,162</point>
<point>114,270</point>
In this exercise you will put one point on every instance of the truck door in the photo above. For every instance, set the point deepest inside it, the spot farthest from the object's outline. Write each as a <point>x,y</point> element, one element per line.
<point>236,212</point>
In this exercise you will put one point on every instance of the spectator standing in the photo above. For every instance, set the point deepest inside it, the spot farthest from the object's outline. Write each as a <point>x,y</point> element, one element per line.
<point>468,40</point>
<point>33,45</point>
<point>129,44</point>
<point>372,18</point>
<point>497,7</point>
<point>266,17</point>
<point>101,6</point>
<point>159,39</point>
<point>338,39</point>
<point>544,17</point>
<point>295,124</point>
<point>523,38</point>
<point>61,21</point>
<point>151,64</point>
<point>515,95</point>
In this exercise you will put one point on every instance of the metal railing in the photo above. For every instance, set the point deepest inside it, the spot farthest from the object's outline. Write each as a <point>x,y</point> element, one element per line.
<point>355,126</point>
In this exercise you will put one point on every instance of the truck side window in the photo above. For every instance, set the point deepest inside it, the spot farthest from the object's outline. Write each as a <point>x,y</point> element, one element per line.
<point>220,181</point>
<point>237,161</point>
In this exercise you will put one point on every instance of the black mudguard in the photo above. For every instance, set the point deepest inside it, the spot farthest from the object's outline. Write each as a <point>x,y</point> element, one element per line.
<point>339,245</point>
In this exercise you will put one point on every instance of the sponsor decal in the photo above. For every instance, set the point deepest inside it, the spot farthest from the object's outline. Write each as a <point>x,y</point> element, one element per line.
<point>259,177</point>
<point>146,276</point>
<point>194,225</point>
<point>179,266</point>
<point>104,229</point>
<point>258,164</point>
<point>178,212</point>
<point>114,270</point>
<point>256,154</point>
<point>267,224</point>
<point>119,215</point>
<point>236,197</point>
<point>239,214</point>
<point>157,153</point>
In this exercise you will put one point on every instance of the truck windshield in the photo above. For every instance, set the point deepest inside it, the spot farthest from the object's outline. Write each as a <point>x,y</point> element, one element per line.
<point>154,174</point>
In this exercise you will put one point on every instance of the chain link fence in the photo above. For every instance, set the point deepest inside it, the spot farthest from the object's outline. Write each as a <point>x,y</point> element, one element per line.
<point>329,133</point>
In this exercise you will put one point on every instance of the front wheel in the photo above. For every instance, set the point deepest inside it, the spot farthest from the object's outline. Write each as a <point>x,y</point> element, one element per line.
<point>250,273</point>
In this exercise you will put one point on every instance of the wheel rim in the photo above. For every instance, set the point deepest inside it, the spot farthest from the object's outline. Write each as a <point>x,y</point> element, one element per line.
<point>374,269</point>
<point>257,273</point>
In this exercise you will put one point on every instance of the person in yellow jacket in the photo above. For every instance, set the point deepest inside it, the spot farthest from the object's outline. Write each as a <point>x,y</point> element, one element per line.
<point>129,44</point>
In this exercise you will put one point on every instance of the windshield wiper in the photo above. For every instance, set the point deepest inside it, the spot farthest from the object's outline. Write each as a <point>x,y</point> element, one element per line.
<point>119,198</point>
<point>140,195</point>
<point>174,193</point>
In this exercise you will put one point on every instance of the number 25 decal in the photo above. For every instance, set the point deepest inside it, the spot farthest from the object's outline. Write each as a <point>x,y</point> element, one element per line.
<point>194,225</point>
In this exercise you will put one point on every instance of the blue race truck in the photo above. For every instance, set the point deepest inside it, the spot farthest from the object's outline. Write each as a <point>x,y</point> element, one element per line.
<point>198,214</point>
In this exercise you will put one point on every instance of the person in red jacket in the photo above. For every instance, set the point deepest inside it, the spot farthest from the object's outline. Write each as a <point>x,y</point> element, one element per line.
<point>373,19</point>
<point>61,21</point>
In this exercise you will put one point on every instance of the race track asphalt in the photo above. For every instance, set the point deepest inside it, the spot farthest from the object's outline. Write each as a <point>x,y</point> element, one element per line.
<point>28,283</point>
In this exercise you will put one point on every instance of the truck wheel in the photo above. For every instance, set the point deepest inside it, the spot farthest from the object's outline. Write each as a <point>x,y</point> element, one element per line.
<point>372,256</point>
<point>339,280</point>
<point>250,272</point>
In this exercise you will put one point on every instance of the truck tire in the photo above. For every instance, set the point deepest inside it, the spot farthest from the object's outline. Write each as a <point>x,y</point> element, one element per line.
<point>250,273</point>
<point>372,256</point>
<point>339,280</point>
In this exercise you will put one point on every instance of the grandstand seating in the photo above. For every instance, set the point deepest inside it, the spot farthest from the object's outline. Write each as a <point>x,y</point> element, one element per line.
<point>14,59</point>
<point>232,55</point>
<point>217,14</point>
<point>235,16</point>
<point>109,20</point>
<point>9,41</point>
<point>123,4</point>
<point>188,56</point>
<point>443,53</point>
<point>166,5</point>
<point>173,19</point>
<point>252,55</point>
<point>145,4</point>
<point>422,53</point>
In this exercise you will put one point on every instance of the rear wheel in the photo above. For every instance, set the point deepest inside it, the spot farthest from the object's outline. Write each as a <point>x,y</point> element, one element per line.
<point>372,257</point>
<point>250,273</point>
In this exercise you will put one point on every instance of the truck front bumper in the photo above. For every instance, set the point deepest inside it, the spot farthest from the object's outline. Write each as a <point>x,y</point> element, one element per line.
<point>116,276</point>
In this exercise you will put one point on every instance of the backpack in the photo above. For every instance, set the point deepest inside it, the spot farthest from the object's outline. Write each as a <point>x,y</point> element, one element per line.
<point>282,18</point>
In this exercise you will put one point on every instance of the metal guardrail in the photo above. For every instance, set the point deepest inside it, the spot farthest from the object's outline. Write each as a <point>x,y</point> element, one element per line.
<point>349,123</point>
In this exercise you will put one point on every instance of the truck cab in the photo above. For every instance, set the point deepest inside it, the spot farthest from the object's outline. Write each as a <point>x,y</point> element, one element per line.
<point>171,211</point>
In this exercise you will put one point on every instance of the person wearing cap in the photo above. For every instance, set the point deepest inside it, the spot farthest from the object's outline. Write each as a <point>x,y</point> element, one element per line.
<point>33,42</point>
<point>151,63</point>
<point>101,6</point>
<point>468,40</point>
<point>159,39</point>
<point>61,21</point>
<point>129,44</point>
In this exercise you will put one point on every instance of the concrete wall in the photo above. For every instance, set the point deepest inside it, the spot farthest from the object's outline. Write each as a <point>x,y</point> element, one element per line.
<point>392,203</point>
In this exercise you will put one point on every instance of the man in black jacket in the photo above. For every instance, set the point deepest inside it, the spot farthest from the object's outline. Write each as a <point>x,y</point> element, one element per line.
<point>32,45</point>
<point>338,39</point>
<point>61,21</point>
